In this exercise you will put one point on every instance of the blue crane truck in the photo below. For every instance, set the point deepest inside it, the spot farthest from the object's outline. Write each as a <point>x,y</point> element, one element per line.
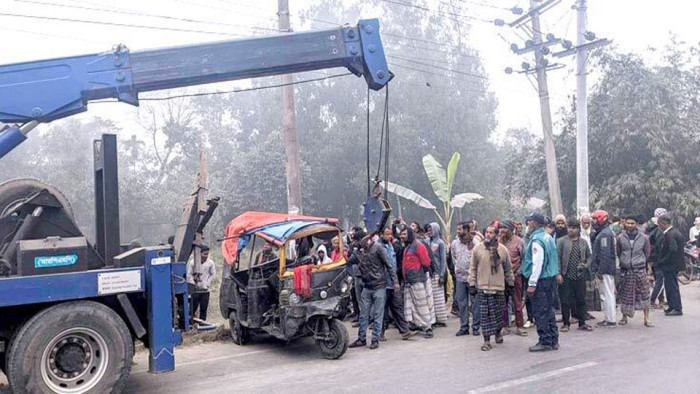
<point>72,306</point>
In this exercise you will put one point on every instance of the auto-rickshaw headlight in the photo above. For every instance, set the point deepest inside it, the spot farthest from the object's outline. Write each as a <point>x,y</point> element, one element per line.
<point>344,287</point>
<point>323,294</point>
<point>294,298</point>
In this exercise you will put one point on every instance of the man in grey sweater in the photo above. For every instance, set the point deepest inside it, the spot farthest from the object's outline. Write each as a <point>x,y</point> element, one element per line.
<point>633,250</point>
<point>200,276</point>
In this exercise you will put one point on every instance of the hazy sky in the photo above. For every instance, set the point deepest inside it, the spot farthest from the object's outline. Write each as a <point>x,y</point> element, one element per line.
<point>634,25</point>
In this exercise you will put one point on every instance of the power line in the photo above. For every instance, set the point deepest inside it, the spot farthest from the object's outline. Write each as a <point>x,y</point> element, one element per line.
<point>498,7</point>
<point>53,35</point>
<point>454,78</point>
<point>426,9</point>
<point>437,67</point>
<point>317,20</point>
<point>134,13</point>
<point>439,61</point>
<point>229,10</point>
<point>455,53</point>
<point>246,89</point>
<point>52,18</point>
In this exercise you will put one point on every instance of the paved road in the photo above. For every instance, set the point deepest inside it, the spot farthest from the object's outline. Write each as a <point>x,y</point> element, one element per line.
<point>622,359</point>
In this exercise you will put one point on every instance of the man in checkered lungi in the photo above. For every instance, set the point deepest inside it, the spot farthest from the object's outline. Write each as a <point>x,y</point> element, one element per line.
<point>490,278</point>
<point>633,250</point>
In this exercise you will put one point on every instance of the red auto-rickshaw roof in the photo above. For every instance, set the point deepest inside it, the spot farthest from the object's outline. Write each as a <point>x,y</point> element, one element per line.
<point>250,223</point>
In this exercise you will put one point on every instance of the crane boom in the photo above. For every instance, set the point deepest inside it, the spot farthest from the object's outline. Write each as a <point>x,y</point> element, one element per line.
<point>46,90</point>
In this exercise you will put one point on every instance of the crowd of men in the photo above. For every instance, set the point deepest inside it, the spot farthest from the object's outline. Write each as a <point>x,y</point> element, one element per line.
<point>506,272</point>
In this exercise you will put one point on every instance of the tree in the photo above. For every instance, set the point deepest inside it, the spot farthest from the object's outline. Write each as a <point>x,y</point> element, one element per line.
<point>644,138</point>
<point>442,183</point>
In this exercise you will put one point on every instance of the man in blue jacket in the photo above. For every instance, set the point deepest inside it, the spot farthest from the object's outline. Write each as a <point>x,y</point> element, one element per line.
<point>541,267</point>
<point>604,265</point>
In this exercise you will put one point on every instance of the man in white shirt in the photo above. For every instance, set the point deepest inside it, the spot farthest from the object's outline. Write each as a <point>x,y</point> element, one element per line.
<point>695,230</point>
<point>201,276</point>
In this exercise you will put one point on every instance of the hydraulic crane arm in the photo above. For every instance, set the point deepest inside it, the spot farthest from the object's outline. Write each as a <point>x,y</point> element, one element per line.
<point>46,90</point>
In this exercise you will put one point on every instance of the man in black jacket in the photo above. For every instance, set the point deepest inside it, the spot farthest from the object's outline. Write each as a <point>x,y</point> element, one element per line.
<point>670,261</point>
<point>603,265</point>
<point>373,264</point>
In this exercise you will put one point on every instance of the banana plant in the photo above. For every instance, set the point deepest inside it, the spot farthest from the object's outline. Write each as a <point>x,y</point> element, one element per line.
<point>442,182</point>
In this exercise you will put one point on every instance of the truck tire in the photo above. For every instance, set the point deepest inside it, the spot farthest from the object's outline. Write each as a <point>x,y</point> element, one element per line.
<point>15,190</point>
<point>80,346</point>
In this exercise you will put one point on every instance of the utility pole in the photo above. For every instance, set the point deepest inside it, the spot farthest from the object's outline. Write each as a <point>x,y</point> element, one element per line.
<point>550,154</point>
<point>291,145</point>
<point>581,111</point>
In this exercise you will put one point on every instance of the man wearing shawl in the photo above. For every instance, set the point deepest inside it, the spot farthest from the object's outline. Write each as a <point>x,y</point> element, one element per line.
<point>418,303</point>
<point>516,249</point>
<point>491,279</point>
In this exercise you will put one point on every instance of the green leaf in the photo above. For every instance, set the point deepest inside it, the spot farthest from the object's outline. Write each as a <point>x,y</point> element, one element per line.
<point>460,200</point>
<point>452,172</point>
<point>437,177</point>
<point>408,194</point>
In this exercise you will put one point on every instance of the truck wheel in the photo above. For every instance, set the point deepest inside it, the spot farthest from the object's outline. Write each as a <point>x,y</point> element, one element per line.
<point>335,346</point>
<point>239,334</point>
<point>12,192</point>
<point>80,346</point>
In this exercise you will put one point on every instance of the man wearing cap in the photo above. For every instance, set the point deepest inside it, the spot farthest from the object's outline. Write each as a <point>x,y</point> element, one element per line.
<point>586,229</point>
<point>541,266</point>
<point>604,265</point>
<point>560,229</point>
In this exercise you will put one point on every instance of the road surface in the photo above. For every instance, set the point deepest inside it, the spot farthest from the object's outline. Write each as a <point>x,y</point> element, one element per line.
<point>621,359</point>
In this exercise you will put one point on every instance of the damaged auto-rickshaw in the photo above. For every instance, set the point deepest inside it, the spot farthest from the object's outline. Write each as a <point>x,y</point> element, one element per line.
<point>274,281</point>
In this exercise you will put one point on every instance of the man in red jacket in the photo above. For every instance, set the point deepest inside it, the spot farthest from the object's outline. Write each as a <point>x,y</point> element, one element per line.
<point>418,302</point>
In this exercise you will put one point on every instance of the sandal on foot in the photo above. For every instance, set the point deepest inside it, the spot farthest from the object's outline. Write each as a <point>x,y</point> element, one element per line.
<point>499,339</point>
<point>585,327</point>
<point>521,333</point>
<point>486,347</point>
<point>648,324</point>
<point>622,321</point>
<point>564,329</point>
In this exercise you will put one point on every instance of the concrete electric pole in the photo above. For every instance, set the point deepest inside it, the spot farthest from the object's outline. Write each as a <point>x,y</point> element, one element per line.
<point>291,145</point>
<point>581,111</point>
<point>550,153</point>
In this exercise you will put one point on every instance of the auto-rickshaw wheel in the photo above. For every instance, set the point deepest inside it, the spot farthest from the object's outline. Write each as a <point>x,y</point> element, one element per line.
<point>239,334</point>
<point>337,340</point>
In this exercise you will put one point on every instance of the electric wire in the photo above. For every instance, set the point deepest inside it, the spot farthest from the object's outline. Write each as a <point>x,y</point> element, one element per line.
<point>53,35</point>
<point>498,7</point>
<point>457,49</point>
<point>105,23</point>
<point>437,67</point>
<point>430,10</point>
<point>440,61</point>
<point>134,13</point>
